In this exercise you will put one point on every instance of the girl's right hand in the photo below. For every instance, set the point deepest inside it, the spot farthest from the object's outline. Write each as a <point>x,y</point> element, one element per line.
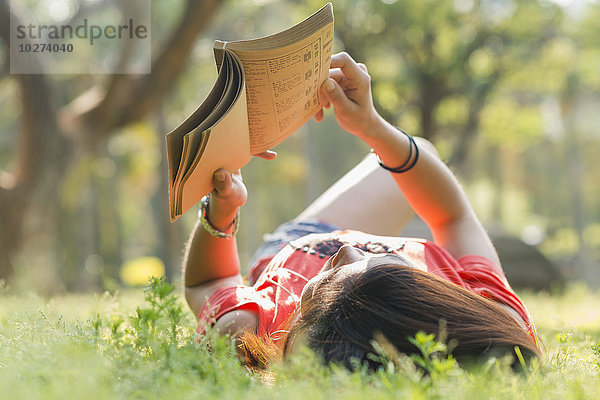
<point>348,89</point>
<point>228,195</point>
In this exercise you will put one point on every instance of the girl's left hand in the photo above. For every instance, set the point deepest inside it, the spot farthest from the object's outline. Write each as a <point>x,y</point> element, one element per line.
<point>348,89</point>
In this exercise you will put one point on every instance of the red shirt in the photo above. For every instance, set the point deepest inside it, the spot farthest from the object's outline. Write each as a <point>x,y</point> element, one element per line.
<point>277,282</point>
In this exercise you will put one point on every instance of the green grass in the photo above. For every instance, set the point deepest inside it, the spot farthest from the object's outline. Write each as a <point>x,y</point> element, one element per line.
<point>141,345</point>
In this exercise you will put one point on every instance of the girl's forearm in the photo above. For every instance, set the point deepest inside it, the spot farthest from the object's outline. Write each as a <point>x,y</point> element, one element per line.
<point>208,257</point>
<point>430,187</point>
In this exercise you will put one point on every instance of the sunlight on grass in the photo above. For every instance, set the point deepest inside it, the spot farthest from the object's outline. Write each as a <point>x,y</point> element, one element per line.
<point>141,345</point>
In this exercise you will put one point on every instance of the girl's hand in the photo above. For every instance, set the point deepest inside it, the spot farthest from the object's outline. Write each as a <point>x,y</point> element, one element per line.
<point>229,194</point>
<point>348,89</point>
<point>267,155</point>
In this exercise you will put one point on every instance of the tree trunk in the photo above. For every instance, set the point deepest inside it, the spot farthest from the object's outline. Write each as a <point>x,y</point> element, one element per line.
<point>28,201</point>
<point>170,236</point>
<point>431,96</point>
<point>29,195</point>
<point>574,158</point>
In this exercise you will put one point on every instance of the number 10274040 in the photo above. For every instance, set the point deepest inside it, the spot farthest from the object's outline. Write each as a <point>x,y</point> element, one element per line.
<point>45,48</point>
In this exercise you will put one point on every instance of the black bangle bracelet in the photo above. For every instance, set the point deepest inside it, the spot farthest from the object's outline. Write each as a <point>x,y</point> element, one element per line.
<point>410,161</point>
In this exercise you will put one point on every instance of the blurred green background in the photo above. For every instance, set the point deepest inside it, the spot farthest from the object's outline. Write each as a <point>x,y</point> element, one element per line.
<point>508,91</point>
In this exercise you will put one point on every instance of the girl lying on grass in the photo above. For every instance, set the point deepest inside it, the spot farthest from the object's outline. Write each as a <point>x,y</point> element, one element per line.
<point>336,277</point>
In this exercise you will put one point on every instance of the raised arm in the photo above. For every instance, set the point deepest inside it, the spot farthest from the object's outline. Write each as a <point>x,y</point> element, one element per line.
<point>430,187</point>
<point>212,262</point>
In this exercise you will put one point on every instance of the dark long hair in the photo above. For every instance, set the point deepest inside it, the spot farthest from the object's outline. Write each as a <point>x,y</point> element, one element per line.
<point>343,318</point>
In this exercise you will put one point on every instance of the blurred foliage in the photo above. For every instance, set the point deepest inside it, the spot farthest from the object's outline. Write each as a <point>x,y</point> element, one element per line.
<point>508,90</point>
<point>138,271</point>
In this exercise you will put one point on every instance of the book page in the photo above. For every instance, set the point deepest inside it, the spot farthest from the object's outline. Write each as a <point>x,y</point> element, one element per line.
<point>194,142</point>
<point>227,147</point>
<point>220,140</point>
<point>175,139</point>
<point>265,90</point>
<point>282,82</point>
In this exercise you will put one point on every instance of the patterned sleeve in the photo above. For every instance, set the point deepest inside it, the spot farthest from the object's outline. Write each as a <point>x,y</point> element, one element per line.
<point>479,275</point>
<point>485,278</point>
<point>230,298</point>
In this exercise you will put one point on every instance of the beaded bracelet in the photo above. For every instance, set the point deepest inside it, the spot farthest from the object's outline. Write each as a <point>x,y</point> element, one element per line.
<point>203,213</point>
<point>410,161</point>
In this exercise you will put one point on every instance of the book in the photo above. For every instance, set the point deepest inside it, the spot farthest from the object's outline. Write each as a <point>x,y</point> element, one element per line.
<point>265,89</point>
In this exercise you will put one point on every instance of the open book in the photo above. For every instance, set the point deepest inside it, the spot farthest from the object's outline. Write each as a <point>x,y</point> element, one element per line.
<point>265,90</point>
